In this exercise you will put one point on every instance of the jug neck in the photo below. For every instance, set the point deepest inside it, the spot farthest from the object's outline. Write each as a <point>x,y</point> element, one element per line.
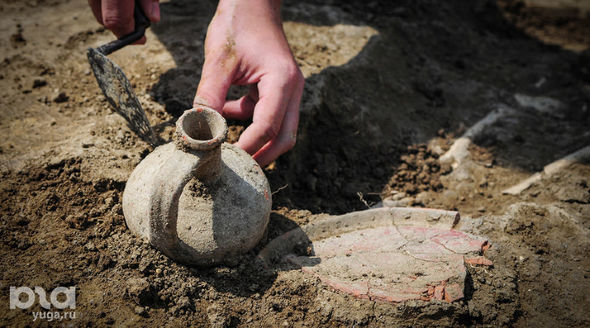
<point>201,131</point>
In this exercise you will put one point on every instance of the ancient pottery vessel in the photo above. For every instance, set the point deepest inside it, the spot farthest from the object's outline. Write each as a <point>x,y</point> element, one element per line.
<point>198,200</point>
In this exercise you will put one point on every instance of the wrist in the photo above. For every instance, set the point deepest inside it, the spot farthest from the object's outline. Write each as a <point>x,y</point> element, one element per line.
<point>260,8</point>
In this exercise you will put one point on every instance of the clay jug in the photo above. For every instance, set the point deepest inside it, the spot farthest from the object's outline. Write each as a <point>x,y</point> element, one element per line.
<point>199,200</point>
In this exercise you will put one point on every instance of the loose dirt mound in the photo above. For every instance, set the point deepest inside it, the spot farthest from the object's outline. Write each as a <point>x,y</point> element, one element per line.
<point>389,87</point>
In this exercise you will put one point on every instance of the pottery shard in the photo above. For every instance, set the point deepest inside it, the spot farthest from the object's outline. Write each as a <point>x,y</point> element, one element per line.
<point>391,264</point>
<point>438,292</point>
<point>454,292</point>
<point>478,260</point>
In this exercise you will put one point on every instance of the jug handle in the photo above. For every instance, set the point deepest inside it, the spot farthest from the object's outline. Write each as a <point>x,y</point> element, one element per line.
<point>199,159</point>
<point>175,173</point>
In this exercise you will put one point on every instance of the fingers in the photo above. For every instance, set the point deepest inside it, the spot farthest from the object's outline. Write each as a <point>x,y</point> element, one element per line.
<point>243,108</point>
<point>151,8</point>
<point>215,82</point>
<point>117,16</point>
<point>96,9</point>
<point>287,136</point>
<point>268,113</point>
<point>140,41</point>
<point>276,93</point>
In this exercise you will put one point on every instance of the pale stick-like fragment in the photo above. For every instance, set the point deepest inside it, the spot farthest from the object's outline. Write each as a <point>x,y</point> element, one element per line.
<point>550,169</point>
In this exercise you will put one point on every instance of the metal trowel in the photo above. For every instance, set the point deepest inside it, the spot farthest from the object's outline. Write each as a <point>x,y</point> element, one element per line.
<point>115,85</point>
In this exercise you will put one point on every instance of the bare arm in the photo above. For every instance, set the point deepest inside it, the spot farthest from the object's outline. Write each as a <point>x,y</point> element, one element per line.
<point>245,45</point>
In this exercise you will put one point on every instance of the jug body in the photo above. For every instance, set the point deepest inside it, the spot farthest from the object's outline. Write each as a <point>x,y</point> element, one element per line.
<point>198,200</point>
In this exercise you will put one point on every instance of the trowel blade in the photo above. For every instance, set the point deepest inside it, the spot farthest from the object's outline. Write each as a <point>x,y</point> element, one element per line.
<point>118,91</point>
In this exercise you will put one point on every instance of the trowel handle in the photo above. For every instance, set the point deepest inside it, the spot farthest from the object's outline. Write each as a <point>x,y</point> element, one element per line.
<point>141,24</point>
<point>141,20</point>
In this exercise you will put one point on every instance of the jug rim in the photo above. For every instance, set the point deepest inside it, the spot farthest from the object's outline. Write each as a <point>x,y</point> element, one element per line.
<point>201,128</point>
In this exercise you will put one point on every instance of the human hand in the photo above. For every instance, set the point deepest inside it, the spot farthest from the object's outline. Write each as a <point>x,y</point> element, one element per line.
<point>117,15</point>
<point>246,45</point>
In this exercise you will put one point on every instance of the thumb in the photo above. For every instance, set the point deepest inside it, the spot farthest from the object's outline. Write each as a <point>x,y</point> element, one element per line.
<point>215,81</point>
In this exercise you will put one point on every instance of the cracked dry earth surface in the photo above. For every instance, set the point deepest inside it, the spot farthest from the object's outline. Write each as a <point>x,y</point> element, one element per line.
<point>421,104</point>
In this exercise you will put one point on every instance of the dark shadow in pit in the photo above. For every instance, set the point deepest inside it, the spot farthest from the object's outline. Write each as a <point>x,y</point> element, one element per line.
<point>433,66</point>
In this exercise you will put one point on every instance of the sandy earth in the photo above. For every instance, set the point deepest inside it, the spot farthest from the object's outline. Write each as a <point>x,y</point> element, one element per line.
<point>389,87</point>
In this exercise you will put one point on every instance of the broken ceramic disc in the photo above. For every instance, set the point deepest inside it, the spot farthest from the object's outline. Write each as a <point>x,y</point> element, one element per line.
<point>386,254</point>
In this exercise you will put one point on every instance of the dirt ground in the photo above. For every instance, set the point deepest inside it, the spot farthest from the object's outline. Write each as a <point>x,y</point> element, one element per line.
<point>389,86</point>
